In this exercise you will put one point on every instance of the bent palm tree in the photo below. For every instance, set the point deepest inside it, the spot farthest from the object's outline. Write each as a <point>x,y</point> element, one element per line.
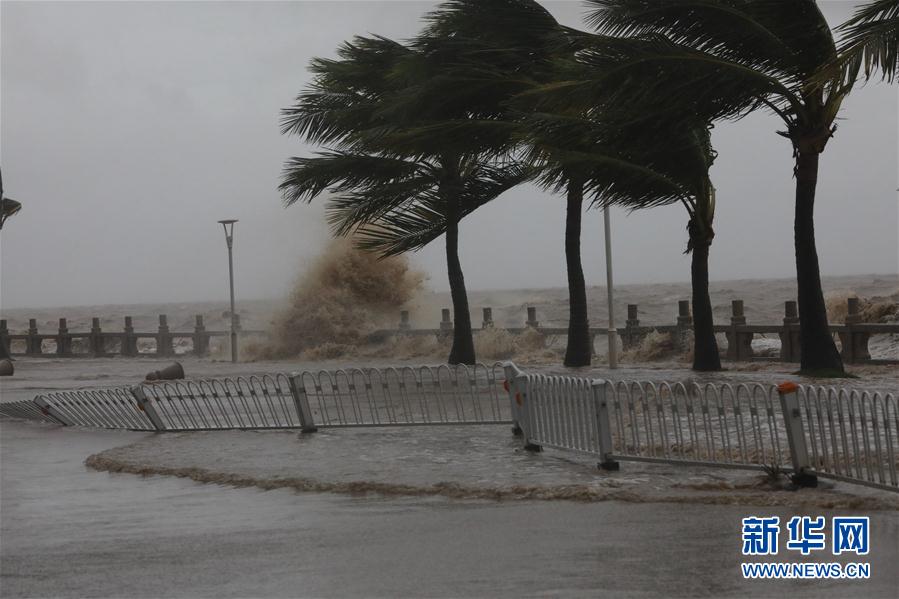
<point>625,165</point>
<point>376,108</point>
<point>742,55</point>
<point>508,47</point>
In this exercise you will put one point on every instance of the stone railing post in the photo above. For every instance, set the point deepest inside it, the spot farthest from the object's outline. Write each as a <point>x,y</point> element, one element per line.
<point>63,340</point>
<point>684,325</point>
<point>98,347</point>
<point>129,341</point>
<point>4,335</point>
<point>164,338</point>
<point>33,343</point>
<point>789,335</point>
<point>488,319</point>
<point>631,337</point>
<point>404,321</point>
<point>854,341</point>
<point>446,323</point>
<point>739,343</point>
<point>532,321</point>
<point>201,339</point>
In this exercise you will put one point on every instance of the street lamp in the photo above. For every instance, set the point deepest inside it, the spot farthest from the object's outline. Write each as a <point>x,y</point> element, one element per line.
<point>228,225</point>
<point>613,332</point>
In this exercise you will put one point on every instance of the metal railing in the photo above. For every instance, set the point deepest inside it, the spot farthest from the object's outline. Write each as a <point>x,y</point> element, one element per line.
<point>354,397</point>
<point>813,431</point>
<point>851,435</point>
<point>406,396</point>
<point>25,409</point>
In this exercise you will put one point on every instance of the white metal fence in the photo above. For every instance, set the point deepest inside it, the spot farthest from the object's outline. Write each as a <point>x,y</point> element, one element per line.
<point>813,431</point>
<point>344,398</point>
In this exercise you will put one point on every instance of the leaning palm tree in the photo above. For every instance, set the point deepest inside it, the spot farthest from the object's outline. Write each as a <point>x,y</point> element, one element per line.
<point>508,47</point>
<point>870,41</point>
<point>376,108</point>
<point>624,164</point>
<point>530,51</point>
<point>743,55</point>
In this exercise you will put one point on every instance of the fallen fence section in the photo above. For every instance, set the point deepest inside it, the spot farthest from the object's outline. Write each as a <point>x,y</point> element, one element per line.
<point>345,398</point>
<point>812,431</point>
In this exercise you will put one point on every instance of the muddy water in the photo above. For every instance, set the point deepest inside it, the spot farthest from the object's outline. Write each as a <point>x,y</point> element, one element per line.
<point>71,532</point>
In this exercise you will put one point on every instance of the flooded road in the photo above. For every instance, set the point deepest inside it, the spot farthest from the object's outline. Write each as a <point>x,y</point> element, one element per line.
<point>69,531</point>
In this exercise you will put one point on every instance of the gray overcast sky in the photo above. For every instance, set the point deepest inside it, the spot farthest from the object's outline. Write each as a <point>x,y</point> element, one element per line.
<point>128,129</point>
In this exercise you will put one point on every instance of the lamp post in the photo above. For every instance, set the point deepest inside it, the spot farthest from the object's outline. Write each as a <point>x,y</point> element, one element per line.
<point>228,225</point>
<point>613,333</point>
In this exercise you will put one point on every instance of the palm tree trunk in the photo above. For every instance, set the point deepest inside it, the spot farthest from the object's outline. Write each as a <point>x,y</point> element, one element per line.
<point>819,352</point>
<point>462,351</point>
<point>705,346</point>
<point>579,351</point>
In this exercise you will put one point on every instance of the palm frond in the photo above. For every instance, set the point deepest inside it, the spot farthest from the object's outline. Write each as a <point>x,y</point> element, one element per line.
<point>870,41</point>
<point>304,178</point>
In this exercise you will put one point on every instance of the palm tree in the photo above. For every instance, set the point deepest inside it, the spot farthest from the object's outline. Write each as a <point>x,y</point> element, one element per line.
<point>870,40</point>
<point>623,164</point>
<point>742,55</point>
<point>511,48</point>
<point>387,166</point>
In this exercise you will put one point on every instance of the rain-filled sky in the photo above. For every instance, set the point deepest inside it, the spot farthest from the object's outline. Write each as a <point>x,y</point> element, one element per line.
<point>130,128</point>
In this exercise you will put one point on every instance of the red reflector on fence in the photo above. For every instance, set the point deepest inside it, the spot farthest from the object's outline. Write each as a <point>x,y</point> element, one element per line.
<point>788,387</point>
<point>518,398</point>
<point>506,385</point>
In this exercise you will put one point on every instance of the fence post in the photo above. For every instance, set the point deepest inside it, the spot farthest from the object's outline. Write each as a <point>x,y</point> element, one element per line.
<point>63,341</point>
<point>41,402</point>
<point>510,373</point>
<point>739,344</point>
<point>163,338</point>
<point>532,321</point>
<point>145,406</point>
<point>789,403</point>
<point>98,347</point>
<point>298,391</point>
<point>4,336</point>
<point>521,387</point>
<point>404,321</point>
<point>487,322</point>
<point>789,336</point>
<point>854,342</point>
<point>129,341</point>
<point>631,335</point>
<point>201,339</point>
<point>604,427</point>
<point>33,343</point>
<point>684,325</point>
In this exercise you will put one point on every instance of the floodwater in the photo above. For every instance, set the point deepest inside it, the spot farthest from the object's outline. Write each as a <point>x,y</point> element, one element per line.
<point>67,530</point>
<point>71,532</point>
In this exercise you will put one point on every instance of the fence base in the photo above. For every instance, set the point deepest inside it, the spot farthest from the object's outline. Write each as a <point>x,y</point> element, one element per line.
<point>804,479</point>
<point>609,466</point>
<point>533,447</point>
<point>516,431</point>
